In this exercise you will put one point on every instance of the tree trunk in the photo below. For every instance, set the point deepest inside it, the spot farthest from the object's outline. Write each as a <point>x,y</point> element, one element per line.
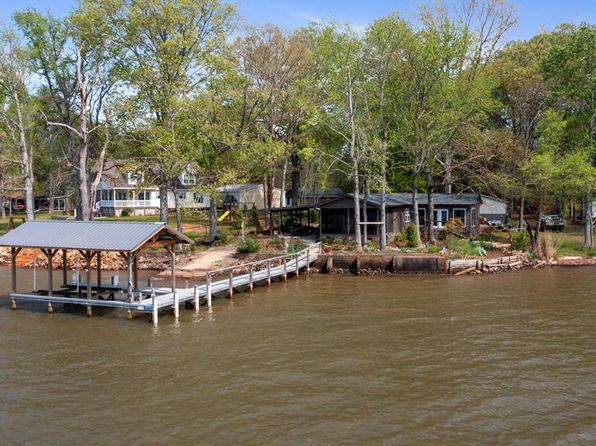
<point>296,179</point>
<point>447,168</point>
<point>26,162</point>
<point>213,217</point>
<point>269,203</point>
<point>282,199</point>
<point>163,203</point>
<point>588,231</point>
<point>522,205</point>
<point>415,211</point>
<point>178,213</point>
<point>356,172</point>
<point>383,235</point>
<point>365,216</point>
<point>430,209</point>
<point>2,200</point>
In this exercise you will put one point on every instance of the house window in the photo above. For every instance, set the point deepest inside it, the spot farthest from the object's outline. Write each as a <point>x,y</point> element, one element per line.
<point>182,195</point>
<point>121,195</point>
<point>134,178</point>
<point>188,179</point>
<point>460,214</point>
<point>106,195</point>
<point>198,198</point>
<point>144,195</point>
<point>473,217</point>
<point>440,217</point>
<point>407,216</point>
<point>421,216</point>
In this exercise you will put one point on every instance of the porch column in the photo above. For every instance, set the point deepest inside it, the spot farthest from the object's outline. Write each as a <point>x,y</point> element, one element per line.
<point>50,256</point>
<point>136,269</point>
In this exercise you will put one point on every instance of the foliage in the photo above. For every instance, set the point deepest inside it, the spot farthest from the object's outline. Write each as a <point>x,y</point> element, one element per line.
<point>412,236</point>
<point>248,246</point>
<point>520,240</point>
<point>466,248</point>
<point>126,212</point>
<point>433,249</point>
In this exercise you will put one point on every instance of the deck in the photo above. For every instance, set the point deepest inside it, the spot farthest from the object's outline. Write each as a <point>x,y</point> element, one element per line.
<point>217,282</point>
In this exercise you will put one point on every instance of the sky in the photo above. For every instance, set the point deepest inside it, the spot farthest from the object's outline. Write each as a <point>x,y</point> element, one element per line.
<point>533,15</point>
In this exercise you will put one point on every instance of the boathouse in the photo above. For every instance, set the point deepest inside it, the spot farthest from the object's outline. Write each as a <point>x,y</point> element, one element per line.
<point>90,239</point>
<point>337,216</point>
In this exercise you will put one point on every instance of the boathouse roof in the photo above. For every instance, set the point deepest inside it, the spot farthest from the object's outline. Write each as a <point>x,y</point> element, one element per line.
<point>90,235</point>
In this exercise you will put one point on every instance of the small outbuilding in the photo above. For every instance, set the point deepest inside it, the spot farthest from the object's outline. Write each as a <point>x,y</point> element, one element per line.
<point>494,210</point>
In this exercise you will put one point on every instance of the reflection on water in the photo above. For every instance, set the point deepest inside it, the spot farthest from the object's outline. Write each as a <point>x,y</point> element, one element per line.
<point>321,360</point>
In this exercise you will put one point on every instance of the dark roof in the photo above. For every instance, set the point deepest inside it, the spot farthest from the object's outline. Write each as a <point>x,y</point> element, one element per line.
<point>89,235</point>
<point>333,192</point>
<point>405,199</point>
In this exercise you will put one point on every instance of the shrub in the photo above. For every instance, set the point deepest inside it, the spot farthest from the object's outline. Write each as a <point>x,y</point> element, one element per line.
<point>372,245</point>
<point>126,212</point>
<point>248,246</point>
<point>400,237</point>
<point>466,248</point>
<point>411,236</point>
<point>338,241</point>
<point>434,249</point>
<point>520,241</point>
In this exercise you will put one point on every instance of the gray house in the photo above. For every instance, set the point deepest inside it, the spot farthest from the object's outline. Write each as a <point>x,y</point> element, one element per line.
<point>337,215</point>
<point>493,209</point>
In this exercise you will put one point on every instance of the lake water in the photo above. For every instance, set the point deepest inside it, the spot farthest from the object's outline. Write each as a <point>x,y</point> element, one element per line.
<point>497,359</point>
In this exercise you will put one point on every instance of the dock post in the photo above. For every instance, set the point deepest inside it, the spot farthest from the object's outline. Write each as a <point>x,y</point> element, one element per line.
<point>268,273</point>
<point>197,303</point>
<point>285,270</point>
<point>208,290</point>
<point>297,265</point>
<point>176,306</point>
<point>250,284</point>
<point>308,258</point>
<point>231,285</point>
<point>13,266</point>
<point>186,284</point>
<point>154,310</point>
<point>88,258</point>
<point>64,268</point>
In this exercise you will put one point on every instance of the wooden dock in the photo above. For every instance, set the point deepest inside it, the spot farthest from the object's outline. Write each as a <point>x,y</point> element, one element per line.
<point>225,281</point>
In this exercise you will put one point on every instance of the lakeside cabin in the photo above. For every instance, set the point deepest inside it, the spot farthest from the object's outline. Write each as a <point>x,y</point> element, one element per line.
<point>336,216</point>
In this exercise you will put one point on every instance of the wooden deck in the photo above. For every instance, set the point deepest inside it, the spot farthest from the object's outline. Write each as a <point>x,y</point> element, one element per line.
<point>217,282</point>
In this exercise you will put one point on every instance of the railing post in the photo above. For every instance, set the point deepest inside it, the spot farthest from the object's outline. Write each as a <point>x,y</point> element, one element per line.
<point>307,260</point>
<point>208,290</point>
<point>154,309</point>
<point>297,265</point>
<point>285,270</point>
<point>250,284</point>
<point>197,303</point>
<point>231,284</point>
<point>268,272</point>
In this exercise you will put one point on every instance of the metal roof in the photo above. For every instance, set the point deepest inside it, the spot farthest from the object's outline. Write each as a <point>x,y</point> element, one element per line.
<point>405,199</point>
<point>89,235</point>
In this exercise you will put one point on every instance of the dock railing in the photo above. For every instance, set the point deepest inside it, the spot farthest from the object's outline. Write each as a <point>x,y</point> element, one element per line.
<point>309,254</point>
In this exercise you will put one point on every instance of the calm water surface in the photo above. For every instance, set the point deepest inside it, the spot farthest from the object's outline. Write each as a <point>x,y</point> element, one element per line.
<point>501,359</point>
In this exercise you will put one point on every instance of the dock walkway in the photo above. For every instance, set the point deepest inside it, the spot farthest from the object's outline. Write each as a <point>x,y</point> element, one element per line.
<point>221,281</point>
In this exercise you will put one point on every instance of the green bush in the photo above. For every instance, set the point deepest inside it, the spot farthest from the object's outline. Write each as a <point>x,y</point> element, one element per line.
<point>434,249</point>
<point>248,246</point>
<point>400,237</point>
<point>411,236</point>
<point>338,241</point>
<point>372,245</point>
<point>126,212</point>
<point>520,240</point>
<point>466,248</point>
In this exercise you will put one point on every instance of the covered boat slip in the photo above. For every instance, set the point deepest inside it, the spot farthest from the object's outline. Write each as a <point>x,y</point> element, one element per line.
<point>90,239</point>
<point>130,240</point>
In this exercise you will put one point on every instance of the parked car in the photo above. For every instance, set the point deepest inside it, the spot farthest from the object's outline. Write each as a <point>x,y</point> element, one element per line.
<point>553,222</point>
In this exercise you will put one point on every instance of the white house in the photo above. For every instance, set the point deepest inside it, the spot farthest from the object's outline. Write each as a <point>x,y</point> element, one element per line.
<point>247,196</point>
<point>119,190</point>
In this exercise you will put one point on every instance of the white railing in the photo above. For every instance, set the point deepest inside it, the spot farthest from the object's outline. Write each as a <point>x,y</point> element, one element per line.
<point>129,203</point>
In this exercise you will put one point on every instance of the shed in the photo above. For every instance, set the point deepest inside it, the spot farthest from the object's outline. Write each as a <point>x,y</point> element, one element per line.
<point>91,239</point>
<point>493,209</point>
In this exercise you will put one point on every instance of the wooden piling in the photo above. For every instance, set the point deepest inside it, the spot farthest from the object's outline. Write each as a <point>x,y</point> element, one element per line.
<point>209,291</point>
<point>268,273</point>
<point>231,284</point>
<point>176,306</point>
<point>250,278</point>
<point>154,310</point>
<point>197,303</point>
<point>285,271</point>
<point>297,265</point>
<point>308,253</point>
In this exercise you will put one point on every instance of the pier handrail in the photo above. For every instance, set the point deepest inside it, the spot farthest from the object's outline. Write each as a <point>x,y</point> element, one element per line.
<point>265,261</point>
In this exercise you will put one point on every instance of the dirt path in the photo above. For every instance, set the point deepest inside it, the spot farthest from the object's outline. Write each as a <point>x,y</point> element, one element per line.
<point>213,258</point>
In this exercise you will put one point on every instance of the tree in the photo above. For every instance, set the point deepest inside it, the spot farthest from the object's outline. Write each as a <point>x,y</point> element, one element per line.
<point>571,67</point>
<point>16,113</point>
